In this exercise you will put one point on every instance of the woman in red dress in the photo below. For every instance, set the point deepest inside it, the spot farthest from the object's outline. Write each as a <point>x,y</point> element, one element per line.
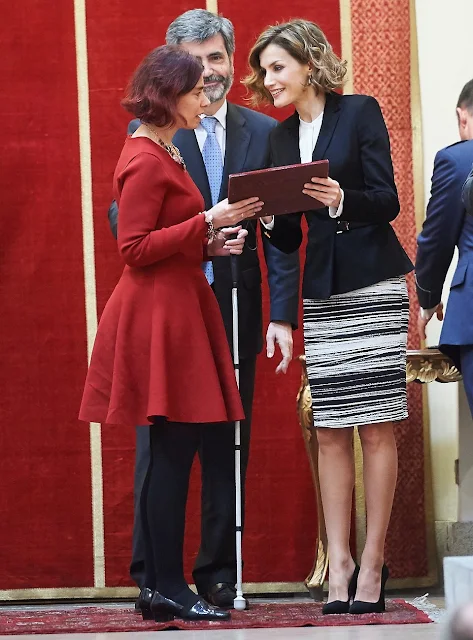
<point>161,355</point>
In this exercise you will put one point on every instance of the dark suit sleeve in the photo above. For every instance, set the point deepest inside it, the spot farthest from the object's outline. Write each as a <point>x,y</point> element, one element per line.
<point>286,234</point>
<point>378,201</point>
<point>113,208</point>
<point>283,280</point>
<point>441,229</point>
<point>283,274</point>
<point>467,194</point>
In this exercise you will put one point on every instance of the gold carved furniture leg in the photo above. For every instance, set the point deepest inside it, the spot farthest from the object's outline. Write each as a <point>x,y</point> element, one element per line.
<point>315,580</point>
<point>423,365</point>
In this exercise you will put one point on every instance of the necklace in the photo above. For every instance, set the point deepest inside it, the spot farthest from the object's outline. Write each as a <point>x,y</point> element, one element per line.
<point>170,148</point>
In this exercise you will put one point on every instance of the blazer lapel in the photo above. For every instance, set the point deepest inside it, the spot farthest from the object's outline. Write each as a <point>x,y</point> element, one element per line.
<point>329,123</point>
<point>236,146</point>
<point>187,144</point>
<point>290,152</point>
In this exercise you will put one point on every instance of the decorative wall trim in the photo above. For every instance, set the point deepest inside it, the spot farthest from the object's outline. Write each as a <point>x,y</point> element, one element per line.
<point>345,32</point>
<point>419,209</point>
<point>89,276</point>
<point>212,5</point>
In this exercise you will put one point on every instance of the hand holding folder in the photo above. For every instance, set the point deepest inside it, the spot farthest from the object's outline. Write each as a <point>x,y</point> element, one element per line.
<point>280,188</point>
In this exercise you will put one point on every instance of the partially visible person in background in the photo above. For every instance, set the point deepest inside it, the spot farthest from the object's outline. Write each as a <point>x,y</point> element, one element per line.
<point>171,366</point>
<point>447,226</point>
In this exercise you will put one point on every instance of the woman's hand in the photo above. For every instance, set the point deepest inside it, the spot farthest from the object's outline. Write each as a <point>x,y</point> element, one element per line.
<point>224,214</point>
<point>324,189</point>
<point>225,244</point>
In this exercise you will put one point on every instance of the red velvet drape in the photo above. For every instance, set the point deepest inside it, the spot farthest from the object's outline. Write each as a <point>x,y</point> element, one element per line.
<point>45,502</point>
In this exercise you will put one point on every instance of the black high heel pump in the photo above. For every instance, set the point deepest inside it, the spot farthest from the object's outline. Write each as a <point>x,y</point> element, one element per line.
<point>360,607</point>
<point>343,606</point>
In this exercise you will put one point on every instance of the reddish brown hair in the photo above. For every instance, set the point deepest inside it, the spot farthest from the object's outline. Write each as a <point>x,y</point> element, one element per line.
<point>166,74</point>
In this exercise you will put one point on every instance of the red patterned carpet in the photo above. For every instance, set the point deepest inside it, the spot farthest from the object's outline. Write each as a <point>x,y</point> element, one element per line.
<point>89,619</point>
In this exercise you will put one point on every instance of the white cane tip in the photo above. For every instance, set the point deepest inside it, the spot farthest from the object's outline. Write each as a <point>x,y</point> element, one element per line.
<point>239,603</point>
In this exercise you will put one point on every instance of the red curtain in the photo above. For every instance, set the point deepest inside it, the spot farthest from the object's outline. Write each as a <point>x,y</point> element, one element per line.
<point>46,524</point>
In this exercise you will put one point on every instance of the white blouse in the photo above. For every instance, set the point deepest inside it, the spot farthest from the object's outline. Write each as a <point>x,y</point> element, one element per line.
<point>308,136</point>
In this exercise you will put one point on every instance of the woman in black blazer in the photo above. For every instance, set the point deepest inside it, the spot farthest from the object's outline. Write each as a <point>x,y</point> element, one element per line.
<point>355,297</point>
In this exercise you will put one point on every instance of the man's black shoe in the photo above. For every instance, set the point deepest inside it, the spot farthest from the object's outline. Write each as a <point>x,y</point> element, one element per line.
<point>221,595</point>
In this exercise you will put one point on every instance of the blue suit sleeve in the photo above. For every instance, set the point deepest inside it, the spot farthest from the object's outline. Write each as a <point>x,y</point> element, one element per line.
<point>133,126</point>
<point>467,194</point>
<point>441,229</point>
<point>283,280</point>
<point>283,274</point>
<point>113,218</point>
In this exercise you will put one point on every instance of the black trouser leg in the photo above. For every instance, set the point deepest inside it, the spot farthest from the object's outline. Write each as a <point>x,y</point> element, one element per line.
<point>142,458</point>
<point>163,505</point>
<point>216,561</point>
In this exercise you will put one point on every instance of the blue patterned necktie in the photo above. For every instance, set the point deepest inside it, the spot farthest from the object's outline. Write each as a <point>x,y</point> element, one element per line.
<point>212,155</point>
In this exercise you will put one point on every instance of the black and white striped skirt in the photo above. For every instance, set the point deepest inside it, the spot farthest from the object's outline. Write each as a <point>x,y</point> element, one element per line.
<point>355,348</point>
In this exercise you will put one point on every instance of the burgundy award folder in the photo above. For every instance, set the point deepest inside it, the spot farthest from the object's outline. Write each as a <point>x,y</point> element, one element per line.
<point>280,188</point>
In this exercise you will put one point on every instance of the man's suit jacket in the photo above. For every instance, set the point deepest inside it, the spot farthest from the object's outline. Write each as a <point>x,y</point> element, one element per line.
<point>354,139</point>
<point>445,227</point>
<point>247,135</point>
<point>467,194</point>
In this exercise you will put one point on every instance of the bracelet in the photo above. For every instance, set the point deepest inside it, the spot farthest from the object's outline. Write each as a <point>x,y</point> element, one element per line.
<point>211,231</point>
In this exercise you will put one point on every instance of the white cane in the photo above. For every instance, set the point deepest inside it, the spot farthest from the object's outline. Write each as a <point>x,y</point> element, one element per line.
<point>239,602</point>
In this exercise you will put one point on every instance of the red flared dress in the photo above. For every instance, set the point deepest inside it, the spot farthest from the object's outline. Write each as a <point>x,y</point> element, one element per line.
<point>161,347</point>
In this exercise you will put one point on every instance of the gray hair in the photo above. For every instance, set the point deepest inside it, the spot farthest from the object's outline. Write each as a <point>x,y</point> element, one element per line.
<point>198,25</point>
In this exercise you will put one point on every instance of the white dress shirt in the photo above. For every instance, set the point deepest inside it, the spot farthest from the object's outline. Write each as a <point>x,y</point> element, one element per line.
<point>220,130</point>
<point>308,136</point>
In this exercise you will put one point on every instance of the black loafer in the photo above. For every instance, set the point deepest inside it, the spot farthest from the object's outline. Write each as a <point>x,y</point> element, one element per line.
<point>222,595</point>
<point>163,609</point>
<point>204,611</point>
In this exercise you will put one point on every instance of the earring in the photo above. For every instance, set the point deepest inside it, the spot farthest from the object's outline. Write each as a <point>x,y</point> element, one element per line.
<point>309,79</point>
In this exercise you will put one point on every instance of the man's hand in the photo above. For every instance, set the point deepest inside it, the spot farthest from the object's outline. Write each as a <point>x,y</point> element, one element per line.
<point>424,317</point>
<point>280,332</point>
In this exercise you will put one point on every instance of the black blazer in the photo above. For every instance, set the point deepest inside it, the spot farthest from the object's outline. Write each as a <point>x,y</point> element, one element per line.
<point>247,149</point>
<point>360,248</point>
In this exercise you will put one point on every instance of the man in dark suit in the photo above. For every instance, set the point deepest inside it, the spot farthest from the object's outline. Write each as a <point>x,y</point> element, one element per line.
<point>445,227</point>
<point>242,138</point>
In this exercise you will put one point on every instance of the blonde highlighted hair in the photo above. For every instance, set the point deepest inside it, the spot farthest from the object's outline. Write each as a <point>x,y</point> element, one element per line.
<point>304,41</point>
